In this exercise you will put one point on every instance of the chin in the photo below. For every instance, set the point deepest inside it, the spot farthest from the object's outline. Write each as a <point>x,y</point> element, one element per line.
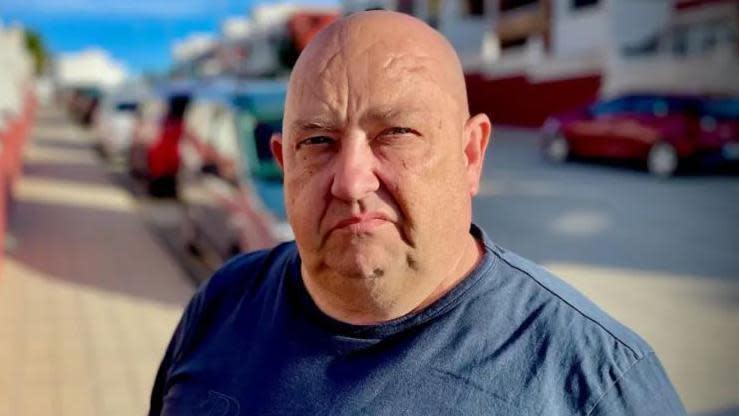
<point>357,268</point>
<point>361,262</point>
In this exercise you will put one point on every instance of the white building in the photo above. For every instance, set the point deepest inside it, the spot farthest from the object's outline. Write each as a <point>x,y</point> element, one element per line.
<point>465,23</point>
<point>586,48</point>
<point>246,46</point>
<point>196,53</point>
<point>16,72</point>
<point>268,34</point>
<point>269,28</point>
<point>696,50</point>
<point>91,67</point>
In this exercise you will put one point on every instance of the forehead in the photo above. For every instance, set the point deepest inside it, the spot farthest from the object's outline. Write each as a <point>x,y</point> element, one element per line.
<point>345,77</point>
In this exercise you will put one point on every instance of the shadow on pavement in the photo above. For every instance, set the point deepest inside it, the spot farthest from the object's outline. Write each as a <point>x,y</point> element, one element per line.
<point>70,221</point>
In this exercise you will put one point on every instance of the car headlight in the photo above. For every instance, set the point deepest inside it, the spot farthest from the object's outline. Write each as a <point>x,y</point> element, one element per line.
<point>550,127</point>
<point>708,123</point>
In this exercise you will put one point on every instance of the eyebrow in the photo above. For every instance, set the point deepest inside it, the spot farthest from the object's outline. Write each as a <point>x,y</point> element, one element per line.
<point>377,114</point>
<point>313,125</point>
<point>380,114</point>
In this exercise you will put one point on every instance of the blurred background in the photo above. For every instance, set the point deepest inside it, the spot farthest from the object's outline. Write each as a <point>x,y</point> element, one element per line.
<point>134,160</point>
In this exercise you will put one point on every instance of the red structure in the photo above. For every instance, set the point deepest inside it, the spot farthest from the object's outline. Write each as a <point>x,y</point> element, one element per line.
<point>519,101</point>
<point>12,140</point>
<point>303,26</point>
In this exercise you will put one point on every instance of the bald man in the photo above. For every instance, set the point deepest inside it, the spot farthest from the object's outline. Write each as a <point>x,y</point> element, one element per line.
<point>390,301</point>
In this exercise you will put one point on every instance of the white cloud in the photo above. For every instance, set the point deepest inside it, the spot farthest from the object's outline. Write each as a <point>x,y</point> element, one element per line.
<point>92,66</point>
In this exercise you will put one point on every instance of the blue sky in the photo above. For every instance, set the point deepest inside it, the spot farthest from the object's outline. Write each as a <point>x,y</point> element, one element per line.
<point>137,32</point>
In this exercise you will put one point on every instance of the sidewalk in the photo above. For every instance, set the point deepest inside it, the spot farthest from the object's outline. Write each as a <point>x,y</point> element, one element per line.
<point>88,298</point>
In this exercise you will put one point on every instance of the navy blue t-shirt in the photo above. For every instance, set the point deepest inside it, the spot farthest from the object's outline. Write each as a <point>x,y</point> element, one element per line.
<point>510,339</point>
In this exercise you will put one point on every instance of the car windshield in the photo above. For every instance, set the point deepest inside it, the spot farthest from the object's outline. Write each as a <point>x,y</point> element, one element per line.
<point>648,105</point>
<point>259,117</point>
<point>90,92</point>
<point>128,107</point>
<point>272,196</point>
<point>727,108</point>
<point>262,134</point>
<point>604,108</point>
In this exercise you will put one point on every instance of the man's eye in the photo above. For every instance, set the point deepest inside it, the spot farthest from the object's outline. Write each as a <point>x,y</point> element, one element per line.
<point>398,131</point>
<point>316,140</point>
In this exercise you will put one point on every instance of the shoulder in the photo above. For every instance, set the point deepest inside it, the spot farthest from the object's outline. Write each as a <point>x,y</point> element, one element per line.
<point>238,279</point>
<point>543,286</point>
<point>247,271</point>
<point>580,354</point>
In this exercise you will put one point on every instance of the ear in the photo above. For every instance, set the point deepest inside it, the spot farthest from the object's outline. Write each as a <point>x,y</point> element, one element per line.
<point>476,137</point>
<point>275,144</point>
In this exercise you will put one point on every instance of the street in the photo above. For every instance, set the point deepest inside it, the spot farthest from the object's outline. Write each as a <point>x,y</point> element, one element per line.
<point>661,256</point>
<point>608,216</point>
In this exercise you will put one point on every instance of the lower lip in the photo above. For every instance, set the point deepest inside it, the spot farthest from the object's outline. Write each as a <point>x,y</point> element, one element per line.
<point>363,226</point>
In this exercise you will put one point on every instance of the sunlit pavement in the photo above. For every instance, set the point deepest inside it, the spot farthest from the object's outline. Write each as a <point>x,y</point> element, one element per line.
<point>88,297</point>
<point>660,256</point>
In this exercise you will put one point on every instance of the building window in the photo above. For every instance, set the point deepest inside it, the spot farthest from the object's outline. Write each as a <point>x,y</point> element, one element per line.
<point>506,5</point>
<point>513,43</point>
<point>576,4</point>
<point>405,6</point>
<point>434,10</point>
<point>680,41</point>
<point>475,7</point>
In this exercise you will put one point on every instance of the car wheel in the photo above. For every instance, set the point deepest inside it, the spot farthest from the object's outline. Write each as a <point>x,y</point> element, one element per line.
<point>193,249</point>
<point>662,160</point>
<point>163,187</point>
<point>557,149</point>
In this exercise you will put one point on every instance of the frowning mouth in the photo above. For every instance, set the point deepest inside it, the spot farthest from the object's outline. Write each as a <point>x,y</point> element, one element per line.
<point>361,223</point>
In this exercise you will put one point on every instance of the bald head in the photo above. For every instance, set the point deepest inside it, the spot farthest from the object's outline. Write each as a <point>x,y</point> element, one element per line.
<point>380,50</point>
<point>376,138</point>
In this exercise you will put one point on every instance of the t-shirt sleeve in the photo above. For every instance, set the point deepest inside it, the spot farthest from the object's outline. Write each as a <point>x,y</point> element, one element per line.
<point>643,390</point>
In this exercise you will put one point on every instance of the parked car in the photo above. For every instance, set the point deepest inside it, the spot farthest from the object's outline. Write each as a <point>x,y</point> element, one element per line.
<point>230,186</point>
<point>115,120</point>
<point>662,131</point>
<point>719,126</point>
<point>154,154</point>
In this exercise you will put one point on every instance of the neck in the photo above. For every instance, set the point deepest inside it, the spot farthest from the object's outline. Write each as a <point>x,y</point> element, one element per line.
<point>376,300</point>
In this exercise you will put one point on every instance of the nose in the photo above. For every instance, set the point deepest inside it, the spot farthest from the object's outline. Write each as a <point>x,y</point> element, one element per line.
<point>354,171</point>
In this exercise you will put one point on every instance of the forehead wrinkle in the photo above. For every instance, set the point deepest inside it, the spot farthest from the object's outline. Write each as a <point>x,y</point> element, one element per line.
<point>397,56</point>
<point>405,117</point>
<point>318,96</point>
<point>363,58</point>
<point>328,82</point>
<point>405,62</point>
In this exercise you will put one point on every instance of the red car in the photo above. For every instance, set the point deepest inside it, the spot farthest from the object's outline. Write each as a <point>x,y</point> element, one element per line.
<point>661,130</point>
